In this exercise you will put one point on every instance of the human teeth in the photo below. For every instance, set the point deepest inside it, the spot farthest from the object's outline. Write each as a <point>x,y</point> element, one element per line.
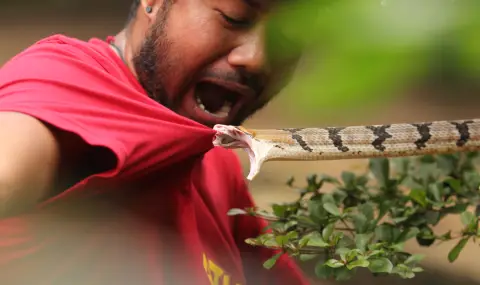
<point>221,113</point>
<point>200,104</point>
<point>224,111</point>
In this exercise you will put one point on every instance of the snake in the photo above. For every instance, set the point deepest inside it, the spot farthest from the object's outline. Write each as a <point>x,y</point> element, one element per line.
<point>349,142</point>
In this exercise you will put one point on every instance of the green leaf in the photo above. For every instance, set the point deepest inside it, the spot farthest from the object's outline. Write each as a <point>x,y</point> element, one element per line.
<point>401,165</point>
<point>336,238</point>
<point>417,269</point>
<point>234,212</point>
<point>271,261</point>
<point>414,259</point>
<point>279,210</point>
<point>306,221</point>
<point>425,237</point>
<point>408,234</point>
<point>332,209</point>
<point>307,257</point>
<point>353,253</point>
<point>328,231</point>
<point>346,242</point>
<point>342,252</point>
<point>317,241</point>
<point>269,240</point>
<point>361,180</point>
<point>289,224</point>
<point>358,263</point>
<point>362,240</point>
<point>446,236</point>
<point>348,179</point>
<point>329,179</point>
<point>456,209</point>
<point>281,240</point>
<point>386,232</point>
<point>380,265</point>
<point>381,170</point>
<point>252,241</point>
<point>360,222</point>
<point>454,184</point>
<point>367,210</point>
<point>343,274</point>
<point>339,196</point>
<point>333,263</point>
<point>403,271</point>
<point>432,217</point>
<point>455,252</point>
<point>316,211</point>
<point>374,253</point>
<point>292,235</point>
<point>323,271</point>
<point>384,207</point>
<point>276,226</point>
<point>419,196</point>
<point>467,218</point>
<point>328,198</point>
<point>446,163</point>
<point>434,190</point>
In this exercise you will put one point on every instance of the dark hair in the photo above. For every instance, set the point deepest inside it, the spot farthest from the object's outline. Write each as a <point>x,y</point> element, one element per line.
<point>133,10</point>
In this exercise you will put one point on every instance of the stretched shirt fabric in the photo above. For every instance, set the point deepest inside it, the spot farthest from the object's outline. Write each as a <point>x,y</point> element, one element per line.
<point>158,215</point>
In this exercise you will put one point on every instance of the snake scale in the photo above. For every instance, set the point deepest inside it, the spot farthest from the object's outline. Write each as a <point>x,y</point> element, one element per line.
<point>351,142</point>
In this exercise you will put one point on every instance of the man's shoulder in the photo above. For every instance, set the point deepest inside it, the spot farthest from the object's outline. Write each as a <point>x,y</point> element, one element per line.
<point>59,50</point>
<point>60,39</point>
<point>64,61</point>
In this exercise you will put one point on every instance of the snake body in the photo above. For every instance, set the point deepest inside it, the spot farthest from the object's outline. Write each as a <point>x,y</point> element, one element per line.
<point>352,142</point>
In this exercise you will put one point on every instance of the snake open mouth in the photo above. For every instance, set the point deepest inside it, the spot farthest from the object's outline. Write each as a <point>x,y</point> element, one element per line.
<point>215,100</point>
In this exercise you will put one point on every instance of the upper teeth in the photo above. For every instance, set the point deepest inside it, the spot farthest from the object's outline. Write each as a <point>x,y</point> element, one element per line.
<point>221,113</point>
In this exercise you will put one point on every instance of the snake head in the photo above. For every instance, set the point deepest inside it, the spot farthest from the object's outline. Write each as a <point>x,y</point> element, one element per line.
<point>239,137</point>
<point>230,136</point>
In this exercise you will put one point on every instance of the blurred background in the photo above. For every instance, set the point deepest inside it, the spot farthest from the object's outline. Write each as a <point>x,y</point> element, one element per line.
<point>367,62</point>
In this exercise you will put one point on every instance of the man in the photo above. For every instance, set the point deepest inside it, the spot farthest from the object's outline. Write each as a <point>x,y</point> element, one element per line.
<point>108,174</point>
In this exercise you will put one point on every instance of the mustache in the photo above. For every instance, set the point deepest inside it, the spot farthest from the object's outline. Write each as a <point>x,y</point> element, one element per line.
<point>255,82</point>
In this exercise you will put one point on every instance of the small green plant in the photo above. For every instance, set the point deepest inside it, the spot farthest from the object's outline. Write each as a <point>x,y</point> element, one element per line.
<point>366,219</point>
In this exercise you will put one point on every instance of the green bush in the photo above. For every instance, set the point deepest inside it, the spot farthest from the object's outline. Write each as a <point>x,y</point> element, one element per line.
<point>365,221</point>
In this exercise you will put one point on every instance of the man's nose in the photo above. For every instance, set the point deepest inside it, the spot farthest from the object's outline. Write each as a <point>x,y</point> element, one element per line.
<point>249,55</point>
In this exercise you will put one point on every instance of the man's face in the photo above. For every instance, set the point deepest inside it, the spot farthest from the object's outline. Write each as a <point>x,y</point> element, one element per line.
<point>205,59</point>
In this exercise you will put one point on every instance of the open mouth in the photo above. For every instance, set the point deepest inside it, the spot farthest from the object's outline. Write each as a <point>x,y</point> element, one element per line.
<point>216,101</point>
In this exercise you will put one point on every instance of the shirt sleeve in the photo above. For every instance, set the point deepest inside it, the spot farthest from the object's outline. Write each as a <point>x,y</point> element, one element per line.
<point>54,83</point>
<point>285,271</point>
<point>77,88</point>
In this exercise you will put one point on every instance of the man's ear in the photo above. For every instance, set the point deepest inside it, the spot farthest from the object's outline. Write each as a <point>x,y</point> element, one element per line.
<point>150,8</point>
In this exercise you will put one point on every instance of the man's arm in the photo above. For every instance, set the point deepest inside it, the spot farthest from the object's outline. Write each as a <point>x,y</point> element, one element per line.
<point>34,155</point>
<point>29,161</point>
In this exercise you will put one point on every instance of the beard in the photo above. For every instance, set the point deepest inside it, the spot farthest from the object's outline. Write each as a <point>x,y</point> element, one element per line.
<point>152,62</point>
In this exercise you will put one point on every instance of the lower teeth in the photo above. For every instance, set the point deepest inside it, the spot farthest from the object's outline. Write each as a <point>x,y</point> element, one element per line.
<point>221,113</point>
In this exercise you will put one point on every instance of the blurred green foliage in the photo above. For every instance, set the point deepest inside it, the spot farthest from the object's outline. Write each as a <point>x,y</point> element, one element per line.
<point>364,52</point>
<point>366,220</point>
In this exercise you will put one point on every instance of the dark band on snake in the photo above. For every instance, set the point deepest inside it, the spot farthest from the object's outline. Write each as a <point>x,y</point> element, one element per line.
<point>382,136</point>
<point>334,135</point>
<point>299,139</point>
<point>425,135</point>
<point>464,132</point>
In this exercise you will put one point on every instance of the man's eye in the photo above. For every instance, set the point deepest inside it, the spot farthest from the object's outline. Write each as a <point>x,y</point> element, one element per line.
<point>236,22</point>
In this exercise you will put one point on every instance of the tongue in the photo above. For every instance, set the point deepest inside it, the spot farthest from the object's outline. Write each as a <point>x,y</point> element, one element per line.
<point>212,96</point>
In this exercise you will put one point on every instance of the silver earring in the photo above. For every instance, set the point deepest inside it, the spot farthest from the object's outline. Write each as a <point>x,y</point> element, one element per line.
<point>149,9</point>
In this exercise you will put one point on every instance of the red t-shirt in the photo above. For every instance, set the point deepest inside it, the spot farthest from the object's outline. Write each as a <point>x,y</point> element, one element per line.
<point>159,216</point>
